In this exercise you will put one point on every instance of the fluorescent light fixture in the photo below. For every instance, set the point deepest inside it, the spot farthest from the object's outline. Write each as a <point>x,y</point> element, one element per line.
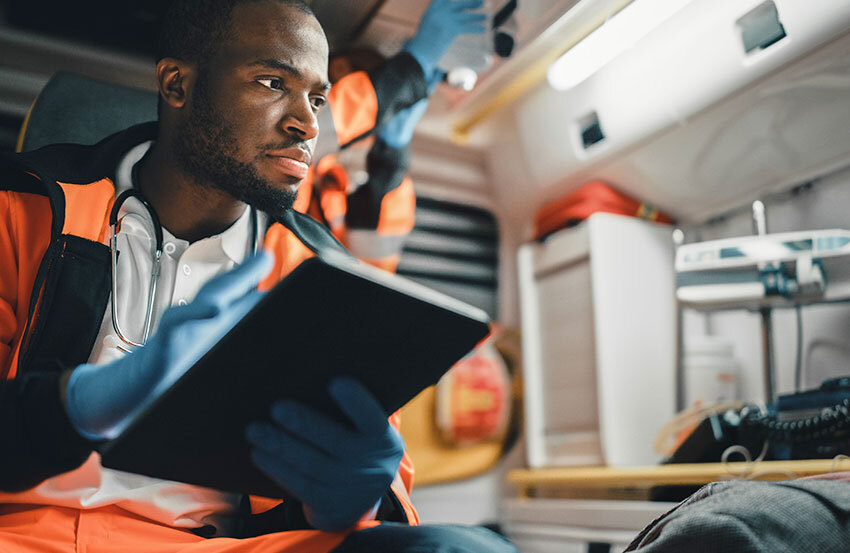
<point>612,38</point>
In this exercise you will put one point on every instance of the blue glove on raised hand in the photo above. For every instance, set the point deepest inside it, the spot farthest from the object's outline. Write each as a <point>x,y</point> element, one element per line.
<point>102,400</point>
<point>442,22</point>
<point>339,472</point>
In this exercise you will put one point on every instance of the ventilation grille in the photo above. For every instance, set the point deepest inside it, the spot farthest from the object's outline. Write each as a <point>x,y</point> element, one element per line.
<point>761,28</point>
<point>454,249</point>
<point>591,130</point>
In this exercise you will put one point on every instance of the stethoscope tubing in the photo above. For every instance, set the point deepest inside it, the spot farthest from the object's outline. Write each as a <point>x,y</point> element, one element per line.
<point>155,269</point>
<point>114,224</point>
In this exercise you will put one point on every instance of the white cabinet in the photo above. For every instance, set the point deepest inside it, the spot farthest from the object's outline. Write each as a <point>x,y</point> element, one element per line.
<point>599,342</point>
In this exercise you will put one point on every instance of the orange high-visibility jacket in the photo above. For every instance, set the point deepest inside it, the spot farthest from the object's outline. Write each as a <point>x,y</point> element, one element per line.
<point>374,219</point>
<point>54,288</point>
<point>363,101</point>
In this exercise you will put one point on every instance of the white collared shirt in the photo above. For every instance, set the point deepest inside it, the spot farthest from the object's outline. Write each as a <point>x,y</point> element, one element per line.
<point>185,268</point>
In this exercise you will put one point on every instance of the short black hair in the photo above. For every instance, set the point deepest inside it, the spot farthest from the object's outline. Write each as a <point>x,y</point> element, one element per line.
<point>191,29</point>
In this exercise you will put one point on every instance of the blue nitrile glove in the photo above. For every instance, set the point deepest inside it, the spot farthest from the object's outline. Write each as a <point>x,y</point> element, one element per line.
<point>102,400</point>
<point>339,472</point>
<point>398,131</point>
<point>442,22</point>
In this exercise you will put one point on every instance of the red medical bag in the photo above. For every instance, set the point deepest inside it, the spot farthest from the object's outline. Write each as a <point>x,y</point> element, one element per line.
<point>593,197</point>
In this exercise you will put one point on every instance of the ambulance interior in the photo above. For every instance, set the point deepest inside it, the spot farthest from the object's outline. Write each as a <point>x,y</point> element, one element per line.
<point>608,324</point>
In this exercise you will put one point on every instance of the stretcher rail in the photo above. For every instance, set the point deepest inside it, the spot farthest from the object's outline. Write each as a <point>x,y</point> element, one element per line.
<point>596,478</point>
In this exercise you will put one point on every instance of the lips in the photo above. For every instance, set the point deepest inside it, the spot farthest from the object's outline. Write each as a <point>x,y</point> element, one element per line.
<point>292,161</point>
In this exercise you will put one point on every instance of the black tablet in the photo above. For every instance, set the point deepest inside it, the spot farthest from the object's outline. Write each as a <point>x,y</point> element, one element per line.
<point>331,316</point>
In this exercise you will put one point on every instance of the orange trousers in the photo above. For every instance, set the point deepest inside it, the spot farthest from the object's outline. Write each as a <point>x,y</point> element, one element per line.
<point>41,529</point>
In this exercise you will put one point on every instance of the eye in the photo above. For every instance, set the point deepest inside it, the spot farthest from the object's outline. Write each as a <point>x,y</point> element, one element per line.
<point>318,101</point>
<point>271,83</point>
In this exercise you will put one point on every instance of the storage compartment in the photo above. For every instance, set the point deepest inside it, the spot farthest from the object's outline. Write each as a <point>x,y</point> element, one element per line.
<point>599,342</point>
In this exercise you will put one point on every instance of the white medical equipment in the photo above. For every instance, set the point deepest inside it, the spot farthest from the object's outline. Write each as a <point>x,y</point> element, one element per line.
<point>771,270</point>
<point>762,272</point>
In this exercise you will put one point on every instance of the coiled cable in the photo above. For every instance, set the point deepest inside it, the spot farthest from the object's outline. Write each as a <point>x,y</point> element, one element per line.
<point>823,425</point>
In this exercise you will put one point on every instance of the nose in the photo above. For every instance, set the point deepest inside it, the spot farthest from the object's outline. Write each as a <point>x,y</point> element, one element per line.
<point>300,119</point>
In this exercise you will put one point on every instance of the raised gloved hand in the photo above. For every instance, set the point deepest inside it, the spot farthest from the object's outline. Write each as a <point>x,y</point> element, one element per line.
<point>102,400</point>
<point>339,472</point>
<point>442,22</point>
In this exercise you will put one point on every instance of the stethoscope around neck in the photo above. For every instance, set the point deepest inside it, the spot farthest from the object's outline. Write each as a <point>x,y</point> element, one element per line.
<point>114,225</point>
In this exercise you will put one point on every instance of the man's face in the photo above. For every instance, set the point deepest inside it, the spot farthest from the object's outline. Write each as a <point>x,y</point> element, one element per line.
<point>251,125</point>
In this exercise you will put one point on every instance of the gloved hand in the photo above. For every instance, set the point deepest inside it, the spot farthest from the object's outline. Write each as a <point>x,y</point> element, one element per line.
<point>339,472</point>
<point>442,22</point>
<point>102,400</point>
<point>398,131</point>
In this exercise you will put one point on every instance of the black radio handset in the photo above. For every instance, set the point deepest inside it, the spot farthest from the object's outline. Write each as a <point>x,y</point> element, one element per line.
<point>809,425</point>
<point>824,425</point>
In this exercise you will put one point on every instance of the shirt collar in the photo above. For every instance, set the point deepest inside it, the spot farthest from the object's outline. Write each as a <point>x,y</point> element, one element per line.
<point>124,172</point>
<point>237,240</point>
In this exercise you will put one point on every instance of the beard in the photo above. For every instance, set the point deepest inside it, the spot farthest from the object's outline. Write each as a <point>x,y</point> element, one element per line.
<point>206,149</point>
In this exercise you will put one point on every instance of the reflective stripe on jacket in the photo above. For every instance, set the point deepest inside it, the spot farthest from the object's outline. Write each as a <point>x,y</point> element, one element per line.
<point>373,219</point>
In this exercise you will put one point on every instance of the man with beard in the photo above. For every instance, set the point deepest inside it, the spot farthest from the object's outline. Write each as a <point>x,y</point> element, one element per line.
<point>241,84</point>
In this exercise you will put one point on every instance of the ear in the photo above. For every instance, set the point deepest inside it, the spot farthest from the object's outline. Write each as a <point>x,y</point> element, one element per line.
<point>339,67</point>
<point>175,79</point>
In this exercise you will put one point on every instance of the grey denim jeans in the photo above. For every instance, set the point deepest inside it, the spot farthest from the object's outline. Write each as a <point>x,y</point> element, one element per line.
<point>799,516</point>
